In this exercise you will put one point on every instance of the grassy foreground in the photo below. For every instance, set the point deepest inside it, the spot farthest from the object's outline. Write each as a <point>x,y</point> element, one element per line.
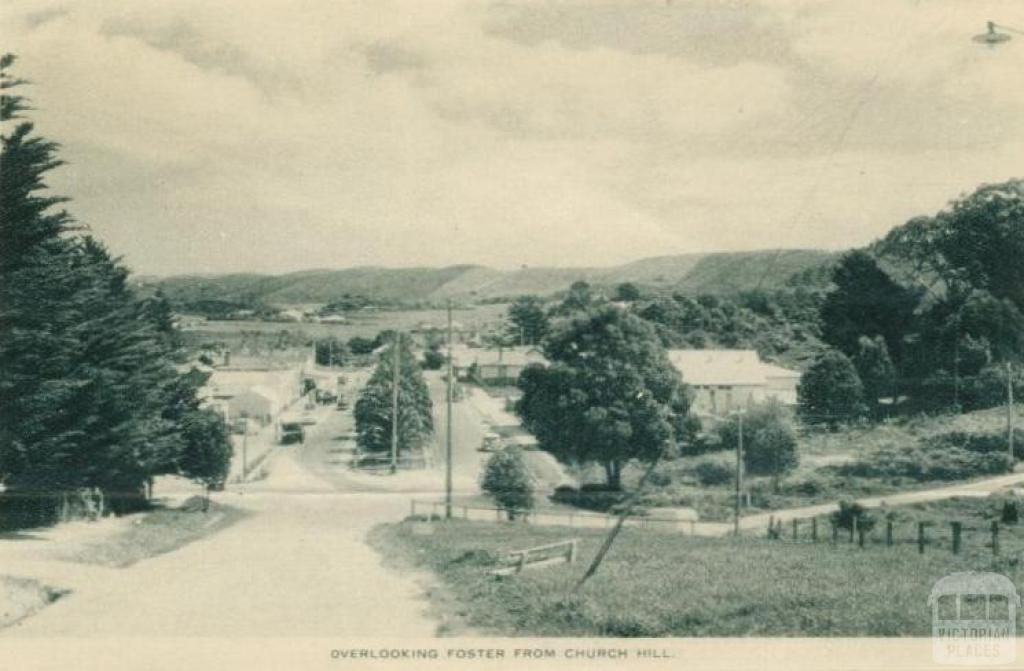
<point>156,532</point>
<point>657,584</point>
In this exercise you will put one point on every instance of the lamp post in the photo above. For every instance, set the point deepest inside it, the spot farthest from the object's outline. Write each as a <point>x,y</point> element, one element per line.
<point>992,37</point>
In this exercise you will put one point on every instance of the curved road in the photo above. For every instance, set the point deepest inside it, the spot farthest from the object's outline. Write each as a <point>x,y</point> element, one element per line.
<point>297,565</point>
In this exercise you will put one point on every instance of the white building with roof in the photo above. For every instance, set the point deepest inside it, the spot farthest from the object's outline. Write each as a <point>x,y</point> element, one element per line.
<point>723,380</point>
<point>493,366</point>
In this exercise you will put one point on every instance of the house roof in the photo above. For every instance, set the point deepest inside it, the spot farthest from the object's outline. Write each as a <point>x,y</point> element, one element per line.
<point>511,356</point>
<point>728,367</point>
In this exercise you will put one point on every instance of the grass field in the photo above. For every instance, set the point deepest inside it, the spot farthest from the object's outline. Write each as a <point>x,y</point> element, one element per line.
<point>656,584</point>
<point>156,532</point>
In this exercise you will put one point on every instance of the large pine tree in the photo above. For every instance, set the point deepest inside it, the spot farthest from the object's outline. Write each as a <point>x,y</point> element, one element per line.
<point>89,394</point>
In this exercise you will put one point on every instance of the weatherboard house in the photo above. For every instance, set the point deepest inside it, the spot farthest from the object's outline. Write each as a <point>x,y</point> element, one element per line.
<point>724,380</point>
<point>494,366</point>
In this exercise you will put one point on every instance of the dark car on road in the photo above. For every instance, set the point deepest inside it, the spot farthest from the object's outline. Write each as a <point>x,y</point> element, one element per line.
<point>292,432</point>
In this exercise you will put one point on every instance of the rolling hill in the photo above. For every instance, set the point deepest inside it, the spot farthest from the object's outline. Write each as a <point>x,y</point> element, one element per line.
<point>687,273</point>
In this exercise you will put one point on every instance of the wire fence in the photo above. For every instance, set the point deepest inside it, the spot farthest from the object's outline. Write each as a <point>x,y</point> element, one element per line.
<point>956,536</point>
<point>437,509</point>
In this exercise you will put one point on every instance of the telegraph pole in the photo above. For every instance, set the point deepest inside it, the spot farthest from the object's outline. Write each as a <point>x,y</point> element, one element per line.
<point>448,433</point>
<point>739,476</point>
<point>1009,411</point>
<point>394,403</point>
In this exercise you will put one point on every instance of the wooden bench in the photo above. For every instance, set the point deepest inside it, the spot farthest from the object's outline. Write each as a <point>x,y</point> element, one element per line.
<point>563,552</point>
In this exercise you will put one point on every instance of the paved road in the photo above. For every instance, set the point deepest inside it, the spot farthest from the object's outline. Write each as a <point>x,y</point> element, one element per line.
<point>297,565</point>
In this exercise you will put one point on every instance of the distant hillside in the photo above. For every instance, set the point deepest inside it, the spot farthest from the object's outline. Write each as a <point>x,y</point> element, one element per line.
<point>686,273</point>
<point>731,272</point>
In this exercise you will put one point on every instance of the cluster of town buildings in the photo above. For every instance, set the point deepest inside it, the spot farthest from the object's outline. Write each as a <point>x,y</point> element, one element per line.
<point>721,380</point>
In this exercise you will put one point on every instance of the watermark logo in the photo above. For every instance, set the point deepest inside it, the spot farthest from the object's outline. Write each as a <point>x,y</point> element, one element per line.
<point>974,619</point>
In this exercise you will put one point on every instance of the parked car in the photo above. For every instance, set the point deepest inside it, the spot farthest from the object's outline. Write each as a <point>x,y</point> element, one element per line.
<point>291,432</point>
<point>491,443</point>
<point>324,396</point>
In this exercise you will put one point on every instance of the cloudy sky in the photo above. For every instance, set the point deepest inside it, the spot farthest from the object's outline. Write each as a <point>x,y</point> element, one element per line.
<point>245,135</point>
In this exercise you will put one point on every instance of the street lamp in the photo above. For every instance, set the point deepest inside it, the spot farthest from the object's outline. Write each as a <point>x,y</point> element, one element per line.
<point>992,37</point>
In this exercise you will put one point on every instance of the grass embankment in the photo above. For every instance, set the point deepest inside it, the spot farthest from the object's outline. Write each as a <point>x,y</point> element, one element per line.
<point>156,532</point>
<point>21,597</point>
<point>656,584</point>
<point>893,456</point>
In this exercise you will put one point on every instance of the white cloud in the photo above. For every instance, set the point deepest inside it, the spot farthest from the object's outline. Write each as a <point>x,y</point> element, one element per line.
<point>270,136</point>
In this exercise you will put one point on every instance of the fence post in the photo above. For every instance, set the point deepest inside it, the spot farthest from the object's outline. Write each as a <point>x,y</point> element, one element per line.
<point>957,526</point>
<point>853,528</point>
<point>796,524</point>
<point>522,561</point>
<point>771,525</point>
<point>835,532</point>
<point>920,538</point>
<point>888,532</point>
<point>778,529</point>
<point>572,552</point>
<point>814,529</point>
<point>860,537</point>
<point>995,537</point>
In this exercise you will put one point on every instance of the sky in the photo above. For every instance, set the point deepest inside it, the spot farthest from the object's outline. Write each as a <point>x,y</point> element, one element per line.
<point>264,136</point>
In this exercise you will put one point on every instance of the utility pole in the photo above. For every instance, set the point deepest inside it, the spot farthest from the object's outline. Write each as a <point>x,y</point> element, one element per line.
<point>448,431</point>
<point>394,403</point>
<point>245,446</point>
<point>1009,411</point>
<point>739,476</point>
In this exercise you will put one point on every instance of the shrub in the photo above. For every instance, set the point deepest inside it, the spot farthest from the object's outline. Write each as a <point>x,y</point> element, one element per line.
<point>830,391</point>
<point>850,511</point>
<point>507,479</point>
<point>711,473</point>
<point>925,462</point>
<point>1009,513</point>
<point>982,443</point>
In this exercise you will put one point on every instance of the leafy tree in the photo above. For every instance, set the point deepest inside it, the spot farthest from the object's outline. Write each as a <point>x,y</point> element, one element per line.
<point>875,368</point>
<point>769,441</point>
<point>981,238</point>
<point>361,346</point>
<point>433,357</point>
<point>866,301</point>
<point>579,298</point>
<point>206,457</point>
<point>373,409</point>
<point>507,479</point>
<point>529,320</point>
<point>627,292</point>
<point>331,352</point>
<point>830,391</point>
<point>609,395</point>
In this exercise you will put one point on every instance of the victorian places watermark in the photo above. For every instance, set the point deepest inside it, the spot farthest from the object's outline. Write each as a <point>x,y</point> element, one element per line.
<point>974,617</point>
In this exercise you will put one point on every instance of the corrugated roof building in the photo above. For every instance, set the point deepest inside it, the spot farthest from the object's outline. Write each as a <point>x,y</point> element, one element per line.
<point>724,380</point>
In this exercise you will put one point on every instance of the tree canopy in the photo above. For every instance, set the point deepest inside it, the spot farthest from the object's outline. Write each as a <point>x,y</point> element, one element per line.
<point>609,395</point>
<point>830,391</point>
<point>373,409</point>
<point>89,391</point>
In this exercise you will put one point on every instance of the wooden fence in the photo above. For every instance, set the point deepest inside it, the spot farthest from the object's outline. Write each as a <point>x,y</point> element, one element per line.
<point>925,533</point>
<point>551,517</point>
